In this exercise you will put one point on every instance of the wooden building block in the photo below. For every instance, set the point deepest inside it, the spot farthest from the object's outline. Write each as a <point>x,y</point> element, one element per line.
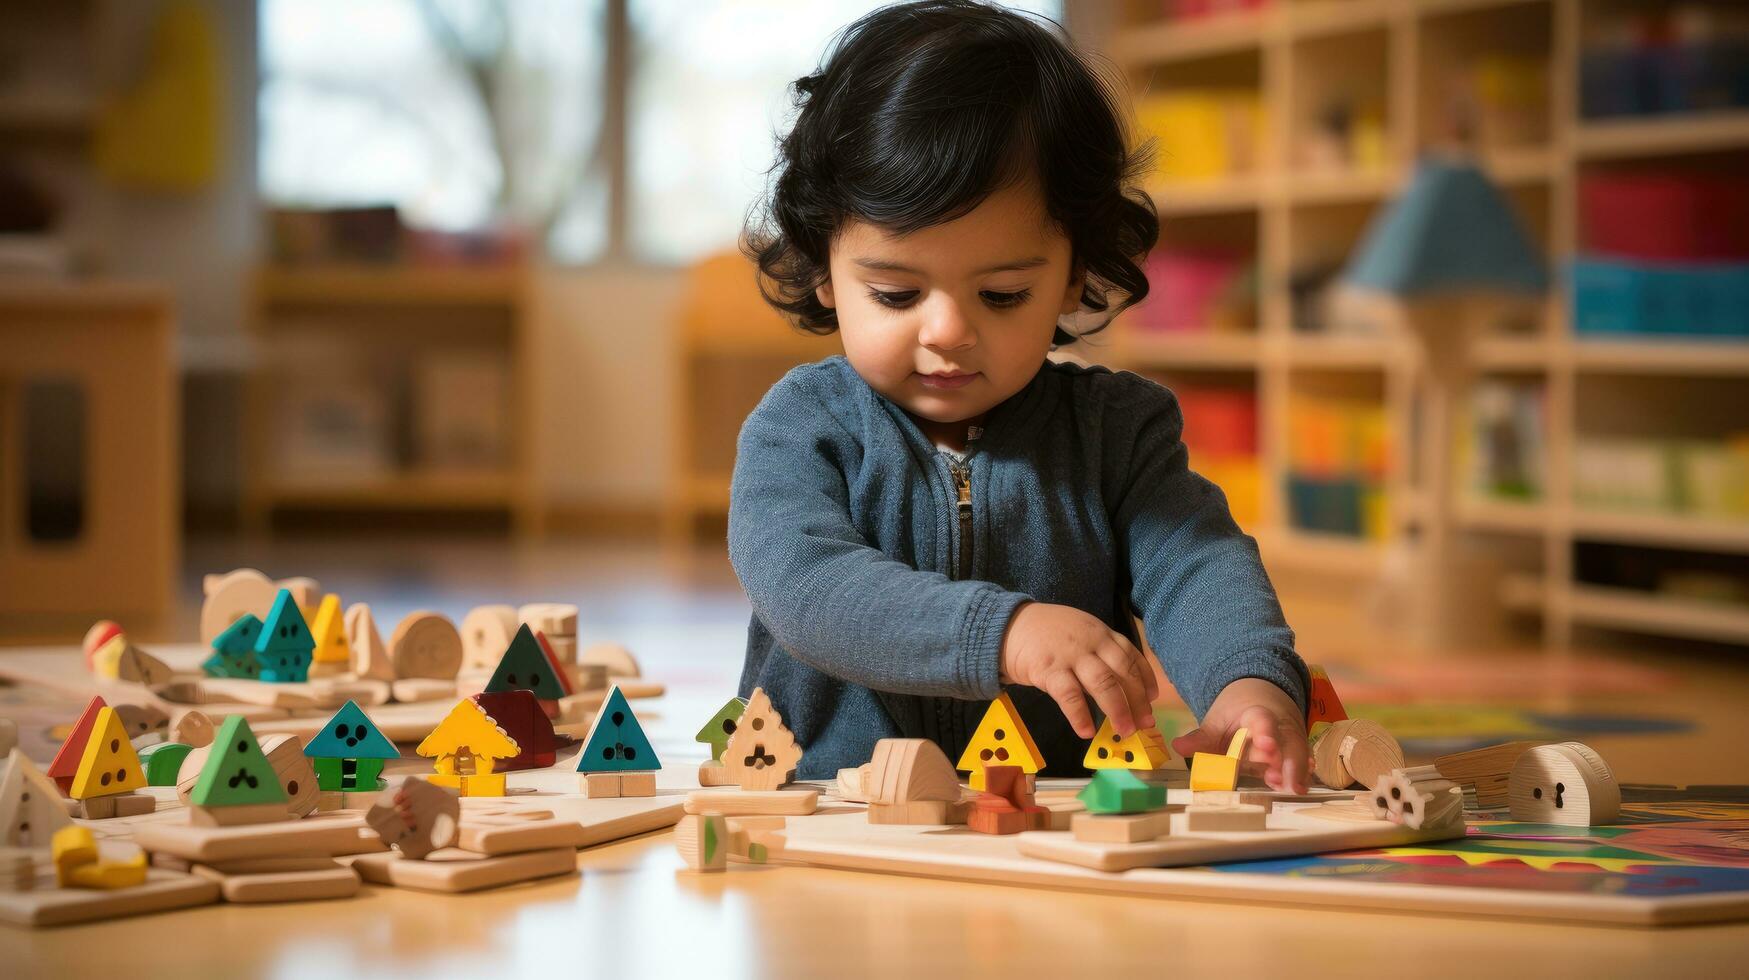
<point>370,656</point>
<point>1145,748</point>
<point>332,881</point>
<point>285,753</point>
<point>637,784</point>
<point>612,657</point>
<point>411,690</point>
<point>140,667</point>
<point>714,774</point>
<point>417,819</point>
<point>909,770</point>
<point>30,805</point>
<point>991,815</point>
<point>734,803</point>
<point>717,731</point>
<point>1237,797</point>
<point>919,812</point>
<point>601,785</point>
<point>237,816</point>
<point>702,840</point>
<point>426,644</point>
<point>322,834</point>
<point>486,632</point>
<point>1202,818</point>
<point>114,805</point>
<point>762,754</point>
<point>514,831</point>
<point>851,785</point>
<point>1487,771</point>
<point>452,870</point>
<point>1001,739</point>
<point>49,905</point>
<point>1121,791</point>
<point>1120,828</point>
<point>109,764</point>
<point>1567,783</point>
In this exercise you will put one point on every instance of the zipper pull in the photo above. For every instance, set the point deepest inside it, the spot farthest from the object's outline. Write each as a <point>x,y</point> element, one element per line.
<point>962,482</point>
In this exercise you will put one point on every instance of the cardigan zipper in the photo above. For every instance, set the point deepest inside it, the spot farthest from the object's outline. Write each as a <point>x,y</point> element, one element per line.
<point>962,482</point>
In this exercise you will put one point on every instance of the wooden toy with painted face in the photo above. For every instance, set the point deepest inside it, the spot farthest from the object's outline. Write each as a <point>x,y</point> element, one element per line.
<point>1568,784</point>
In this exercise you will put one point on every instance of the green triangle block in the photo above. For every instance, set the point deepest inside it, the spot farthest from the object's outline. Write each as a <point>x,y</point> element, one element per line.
<point>716,732</point>
<point>1121,791</point>
<point>525,668</point>
<point>616,741</point>
<point>237,773</point>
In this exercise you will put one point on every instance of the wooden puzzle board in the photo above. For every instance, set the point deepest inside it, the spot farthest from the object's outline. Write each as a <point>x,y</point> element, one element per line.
<point>1687,872</point>
<point>47,905</point>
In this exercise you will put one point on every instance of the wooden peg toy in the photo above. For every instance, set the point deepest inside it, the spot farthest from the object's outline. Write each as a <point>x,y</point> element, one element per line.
<point>1001,739</point>
<point>616,744</point>
<point>1417,797</point>
<point>528,665</point>
<point>1210,771</point>
<point>426,644</point>
<point>762,754</point>
<point>1567,783</point>
<point>419,819</point>
<point>30,805</point>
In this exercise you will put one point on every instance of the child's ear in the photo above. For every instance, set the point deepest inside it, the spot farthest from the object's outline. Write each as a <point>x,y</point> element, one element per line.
<point>1072,294</point>
<point>823,293</point>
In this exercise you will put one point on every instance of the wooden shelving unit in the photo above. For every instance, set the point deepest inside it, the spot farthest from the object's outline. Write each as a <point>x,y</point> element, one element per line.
<point>1297,215</point>
<point>387,316</point>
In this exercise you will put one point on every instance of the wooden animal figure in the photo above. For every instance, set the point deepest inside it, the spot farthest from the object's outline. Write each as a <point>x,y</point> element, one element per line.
<point>466,747</point>
<point>30,805</point>
<point>348,753</point>
<point>419,819</point>
<point>237,784</point>
<point>762,754</point>
<point>1567,783</point>
<point>65,764</point>
<point>1145,748</point>
<point>284,647</point>
<point>1001,739</point>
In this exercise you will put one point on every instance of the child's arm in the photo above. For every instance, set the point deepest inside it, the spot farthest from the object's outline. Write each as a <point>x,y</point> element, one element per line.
<point>849,610</point>
<point>1206,603</point>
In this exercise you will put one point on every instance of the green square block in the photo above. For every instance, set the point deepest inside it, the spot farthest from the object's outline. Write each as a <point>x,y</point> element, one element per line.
<point>1121,791</point>
<point>348,775</point>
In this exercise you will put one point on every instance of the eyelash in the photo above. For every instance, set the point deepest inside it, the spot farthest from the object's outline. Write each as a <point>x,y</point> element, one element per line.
<point>898,300</point>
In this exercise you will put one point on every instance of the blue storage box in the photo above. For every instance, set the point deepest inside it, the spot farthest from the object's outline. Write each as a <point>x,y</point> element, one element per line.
<point>1614,298</point>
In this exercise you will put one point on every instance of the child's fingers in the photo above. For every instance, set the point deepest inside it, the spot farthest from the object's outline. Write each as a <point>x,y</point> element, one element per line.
<point>1142,666</point>
<point>1107,689</point>
<point>1135,688</point>
<point>1197,740</point>
<point>1063,688</point>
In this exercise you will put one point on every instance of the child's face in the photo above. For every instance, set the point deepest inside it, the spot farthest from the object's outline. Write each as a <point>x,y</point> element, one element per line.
<point>950,320</point>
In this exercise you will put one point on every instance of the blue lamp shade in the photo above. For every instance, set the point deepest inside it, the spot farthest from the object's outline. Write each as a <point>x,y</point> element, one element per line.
<point>1450,231</point>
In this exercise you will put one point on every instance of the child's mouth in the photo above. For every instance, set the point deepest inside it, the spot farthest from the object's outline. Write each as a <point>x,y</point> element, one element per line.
<point>947,380</point>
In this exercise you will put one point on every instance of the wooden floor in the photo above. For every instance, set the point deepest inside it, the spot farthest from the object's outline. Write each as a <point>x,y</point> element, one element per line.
<point>635,912</point>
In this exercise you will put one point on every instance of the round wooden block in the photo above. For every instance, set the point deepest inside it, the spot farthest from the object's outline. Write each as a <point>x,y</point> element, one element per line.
<point>551,618</point>
<point>1367,751</point>
<point>1327,759</point>
<point>486,634</point>
<point>426,644</point>
<point>1567,783</point>
<point>192,728</point>
<point>231,595</point>
<point>617,659</point>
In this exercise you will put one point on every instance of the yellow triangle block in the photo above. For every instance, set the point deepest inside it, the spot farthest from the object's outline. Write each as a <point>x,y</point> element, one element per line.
<point>109,765</point>
<point>1001,740</point>
<point>329,630</point>
<point>1144,749</point>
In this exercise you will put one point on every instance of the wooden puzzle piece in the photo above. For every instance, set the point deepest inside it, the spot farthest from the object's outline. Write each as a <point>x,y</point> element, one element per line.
<point>1006,806</point>
<point>717,731</point>
<point>1203,817</point>
<point>1121,791</point>
<point>616,742</point>
<point>234,650</point>
<point>348,753</point>
<point>284,647</point>
<point>515,831</point>
<point>109,764</point>
<point>519,714</point>
<point>330,880</point>
<point>1001,739</point>
<point>451,870</point>
<point>323,835</point>
<point>30,805</point>
<point>65,764</point>
<point>426,644</point>
<point>140,667</point>
<point>525,666</point>
<point>333,649</point>
<point>738,803</point>
<point>907,770</point>
<point>237,773</point>
<point>1145,748</point>
<point>419,819</point>
<point>1567,783</point>
<point>370,656</point>
<point>762,754</point>
<point>1120,828</point>
<point>285,753</point>
<point>943,812</point>
<point>145,724</point>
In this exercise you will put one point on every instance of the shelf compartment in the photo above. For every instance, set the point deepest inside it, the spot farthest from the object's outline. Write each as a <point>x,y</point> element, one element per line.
<point>1644,612</point>
<point>1654,136</point>
<point>1663,530</point>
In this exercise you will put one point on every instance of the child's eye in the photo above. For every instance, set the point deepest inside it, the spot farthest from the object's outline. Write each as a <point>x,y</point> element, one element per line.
<point>895,299</point>
<point>1004,301</point>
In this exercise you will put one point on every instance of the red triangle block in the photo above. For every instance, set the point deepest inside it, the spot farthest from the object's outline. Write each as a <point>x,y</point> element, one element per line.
<point>559,673</point>
<point>66,762</point>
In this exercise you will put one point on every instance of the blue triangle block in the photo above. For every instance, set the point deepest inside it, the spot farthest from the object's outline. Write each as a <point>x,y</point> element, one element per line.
<point>350,734</point>
<point>616,741</point>
<point>239,637</point>
<point>283,649</point>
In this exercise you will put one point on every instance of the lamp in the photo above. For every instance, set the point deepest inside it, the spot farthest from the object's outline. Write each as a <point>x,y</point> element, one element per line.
<point>1443,253</point>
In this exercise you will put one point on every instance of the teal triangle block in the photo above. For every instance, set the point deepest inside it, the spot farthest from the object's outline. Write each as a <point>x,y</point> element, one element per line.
<point>350,734</point>
<point>285,628</point>
<point>239,637</point>
<point>616,741</point>
<point>525,668</point>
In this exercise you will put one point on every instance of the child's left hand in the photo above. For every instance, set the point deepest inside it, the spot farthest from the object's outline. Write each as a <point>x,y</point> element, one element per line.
<point>1278,731</point>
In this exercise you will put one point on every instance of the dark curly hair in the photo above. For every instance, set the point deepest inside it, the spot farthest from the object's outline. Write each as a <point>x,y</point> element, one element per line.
<point>919,112</point>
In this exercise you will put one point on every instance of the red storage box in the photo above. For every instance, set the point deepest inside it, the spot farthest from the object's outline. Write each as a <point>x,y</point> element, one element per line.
<point>1664,217</point>
<point>1218,422</point>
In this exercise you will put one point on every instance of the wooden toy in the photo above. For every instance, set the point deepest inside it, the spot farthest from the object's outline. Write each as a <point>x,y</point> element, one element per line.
<point>909,780</point>
<point>234,650</point>
<point>1120,828</point>
<point>452,870</point>
<point>1007,806</point>
<point>1416,797</point>
<point>419,819</point>
<point>8,736</point>
<point>1254,797</point>
<point>1144,749</point>
<point>106,662</point>
<point>140,667</point>
<point>616,744</point>
<point>49,905</point>
<point>1210,771</point>
<point>285,753</point>
<point>1484,772</point>
<point>30,805</point>
<point>426,644</point>
<point>739,803</point>
<point>297,880</point>
<point>1567,783</point>
<point>410,690</point>
<point>98,636</point>
<point>65,765</point>
<point>510,831</point>
<point>193,728</point>
<point>702,840</point>
<point>17,869</point>
<point>486,632</point>
<point>163,762</point>
<point>521,717</point>
<point>1353,750</point>
<point>284,647</point>
<point>762,754</point>
<point>109,768</point>
<point>146,724</point>
<point>348,753</point>
<point>1324,704</point>
<point>615,659</point>
<point>237,784</point>
<point>231,596</point>
<point>466,747</point>
<point>527,666</point>
<point>721,726</point>
<point>78,862</point>
<point>557,621</point>
<point>1121,791</point>
<point>324,835</point>
<point>1205,817</point>
<point>333,651</point>
<point>1001,740</point>
<point>370,657</point>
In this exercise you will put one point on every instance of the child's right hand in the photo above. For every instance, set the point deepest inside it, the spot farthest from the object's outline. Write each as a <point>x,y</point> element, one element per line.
<point>1070,654</point>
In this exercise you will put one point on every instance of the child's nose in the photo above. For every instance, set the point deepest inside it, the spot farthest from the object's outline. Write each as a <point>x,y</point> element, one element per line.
<point>946,327</point>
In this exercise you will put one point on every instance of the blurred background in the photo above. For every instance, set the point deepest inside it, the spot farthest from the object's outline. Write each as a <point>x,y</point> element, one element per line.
<point>438,301</point>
